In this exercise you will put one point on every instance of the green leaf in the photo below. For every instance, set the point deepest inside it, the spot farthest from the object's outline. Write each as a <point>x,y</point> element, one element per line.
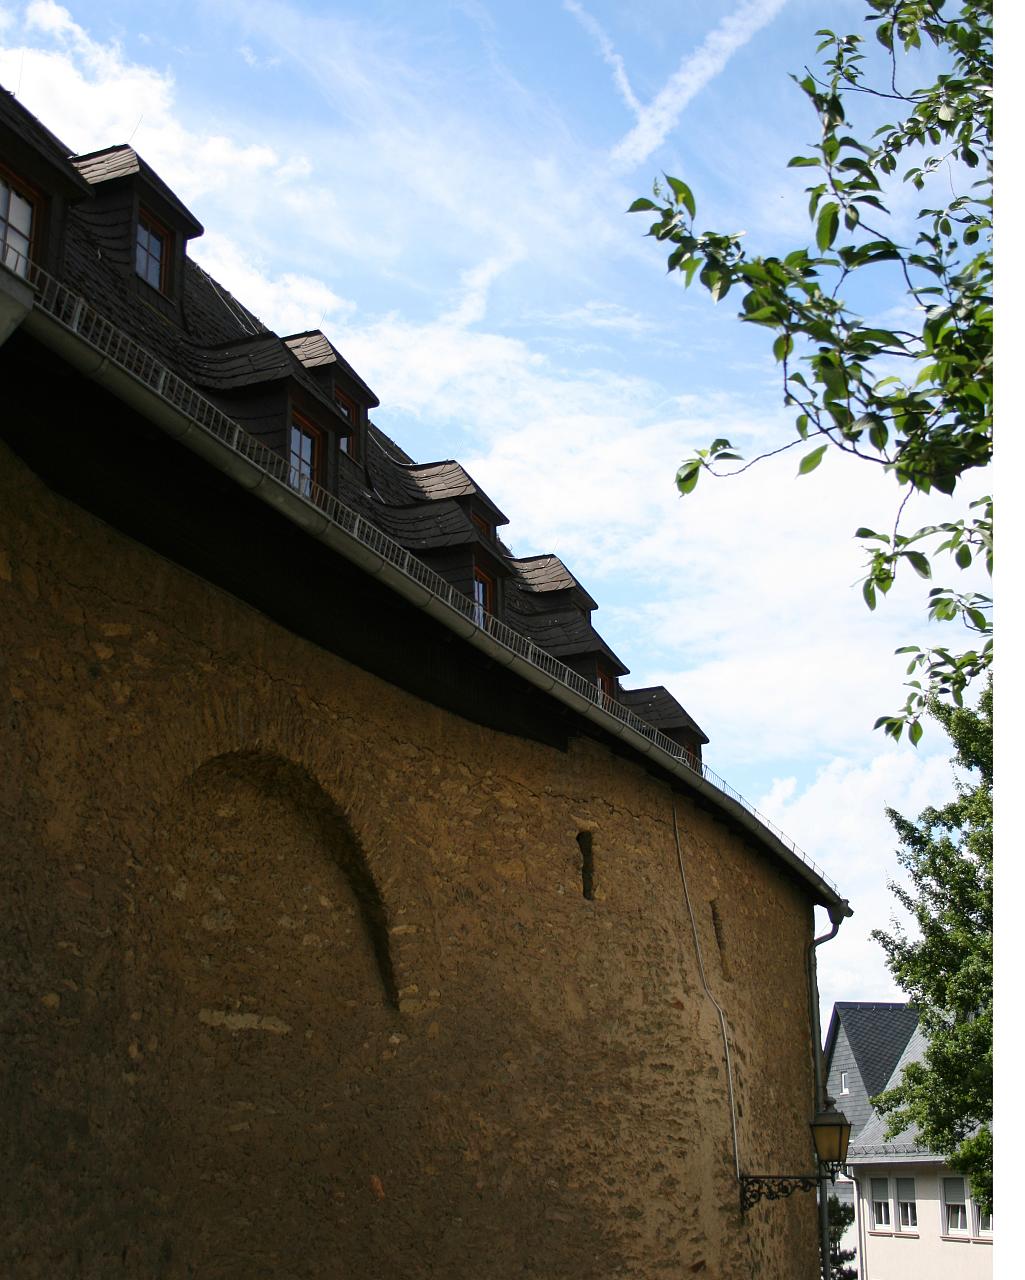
<point>687,476</point>
<point>811,460</point>
<point>803,162</point>
<point>827,226</point>
<point>915,732</point>
<point>919,563</point>
<point>869,592</point>
<point>683,194</point>
<point>641,204</point>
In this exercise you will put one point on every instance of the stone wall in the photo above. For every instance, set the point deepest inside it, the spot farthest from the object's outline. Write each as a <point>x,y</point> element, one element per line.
<point>300,979</point>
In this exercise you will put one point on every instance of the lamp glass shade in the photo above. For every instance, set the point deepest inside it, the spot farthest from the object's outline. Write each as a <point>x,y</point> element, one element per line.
<point>831,1132</point>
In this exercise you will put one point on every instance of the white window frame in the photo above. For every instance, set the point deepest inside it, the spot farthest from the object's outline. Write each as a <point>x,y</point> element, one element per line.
<point>977,1216</point>
<point>961,1204</point>
<point>883,1204</point>
<point>904,1202</point>
<point>844,1086</point>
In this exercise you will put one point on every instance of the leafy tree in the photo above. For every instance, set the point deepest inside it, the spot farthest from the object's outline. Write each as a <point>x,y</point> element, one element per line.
<point>841,1216</point>
<point>914,401</point>
<point>947,969</point>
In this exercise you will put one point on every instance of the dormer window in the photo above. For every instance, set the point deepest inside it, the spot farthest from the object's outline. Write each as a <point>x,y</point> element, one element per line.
<point>606,683</point>
<point>304,455</point>
<point>483,528</point>
<point>483,596</point>
<point>151,251</point>
<point>17,212</point>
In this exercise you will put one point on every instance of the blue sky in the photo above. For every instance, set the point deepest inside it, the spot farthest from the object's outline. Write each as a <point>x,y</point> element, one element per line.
<point>441,187</point>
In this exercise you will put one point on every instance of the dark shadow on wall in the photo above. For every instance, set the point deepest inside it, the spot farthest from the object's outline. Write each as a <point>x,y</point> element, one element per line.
<point>276,776</point>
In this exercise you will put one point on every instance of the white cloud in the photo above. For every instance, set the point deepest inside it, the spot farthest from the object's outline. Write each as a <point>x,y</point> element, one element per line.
<point>695,71</point>
<point>841,816</point>
<point>287,303</point>
<point>608,53</point>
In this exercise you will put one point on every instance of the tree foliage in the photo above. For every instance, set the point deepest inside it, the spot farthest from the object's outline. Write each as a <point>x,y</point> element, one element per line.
<point>947,968</point>
<point>841,1216</point>
<point>915,401</point>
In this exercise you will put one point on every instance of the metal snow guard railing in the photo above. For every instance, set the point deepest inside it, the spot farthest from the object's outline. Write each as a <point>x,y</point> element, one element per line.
<point>75,314</point>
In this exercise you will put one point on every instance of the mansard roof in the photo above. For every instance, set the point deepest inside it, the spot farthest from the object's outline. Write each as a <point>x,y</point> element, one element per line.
<point>153,358</point>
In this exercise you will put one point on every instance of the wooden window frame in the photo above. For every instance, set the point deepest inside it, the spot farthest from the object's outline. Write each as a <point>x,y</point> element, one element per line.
<point>486,603</point>
<point>165,235</point>
<point>299,421</point>
<point>34,198</point>
<point>483,528</point>
<point>606,682</point>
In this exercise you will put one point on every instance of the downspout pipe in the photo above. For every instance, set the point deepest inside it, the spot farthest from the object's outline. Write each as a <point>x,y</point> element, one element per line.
<point>838,912</point>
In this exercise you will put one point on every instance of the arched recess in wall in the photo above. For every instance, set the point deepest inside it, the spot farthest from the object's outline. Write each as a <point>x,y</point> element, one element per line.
<point>265,780</point>
<point>260,1015</point>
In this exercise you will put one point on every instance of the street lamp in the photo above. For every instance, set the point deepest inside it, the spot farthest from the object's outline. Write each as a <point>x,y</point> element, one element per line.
<point>831,1132</point>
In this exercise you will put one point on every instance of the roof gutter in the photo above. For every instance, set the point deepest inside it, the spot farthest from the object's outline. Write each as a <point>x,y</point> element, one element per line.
<point>155,408</point>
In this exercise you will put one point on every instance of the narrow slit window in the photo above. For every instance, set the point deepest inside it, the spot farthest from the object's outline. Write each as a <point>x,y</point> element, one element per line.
<point>586,844</point>
<point>349,413</point>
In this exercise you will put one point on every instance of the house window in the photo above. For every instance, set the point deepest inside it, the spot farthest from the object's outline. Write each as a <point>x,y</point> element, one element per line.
<point>907,1205</point>
<point>483,596</point>
<point>151,253</point>
<point>350,415</point>
<point>16,216</point>
<point>844,1086</point>
<point>880,1204</point>
<point>955,1210</point>
<point>482,526</point>
<point>303,455</point>
<point>984,1223</point>
<point>606,683</point>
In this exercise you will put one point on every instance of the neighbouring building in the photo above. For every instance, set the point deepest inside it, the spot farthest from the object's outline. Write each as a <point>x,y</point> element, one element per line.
<point>914,1216</point>
<point>358,921</point>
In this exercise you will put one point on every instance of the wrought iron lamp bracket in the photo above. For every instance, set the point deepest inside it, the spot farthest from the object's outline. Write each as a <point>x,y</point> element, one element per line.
<point>773,1186</point>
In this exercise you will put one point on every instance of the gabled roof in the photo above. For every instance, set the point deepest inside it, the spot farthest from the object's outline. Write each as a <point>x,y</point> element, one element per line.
<point>121,161</point>
<point>877,1033</point>
<point>658,706</point>
<point>314,350</point>
<point>872,1140</point>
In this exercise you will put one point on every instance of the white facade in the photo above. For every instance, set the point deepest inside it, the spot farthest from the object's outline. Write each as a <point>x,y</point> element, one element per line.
<point>915,1220</point>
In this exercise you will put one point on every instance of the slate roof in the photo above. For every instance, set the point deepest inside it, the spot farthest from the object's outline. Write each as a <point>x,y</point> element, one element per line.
<point>216,343</point>
<point>547,573</point>
<point>314,350</point>
<point>658,706</point>
<point>877,1033</point>
<point>25,126</point>
<point>872,1140</point>
<point>121,161</point>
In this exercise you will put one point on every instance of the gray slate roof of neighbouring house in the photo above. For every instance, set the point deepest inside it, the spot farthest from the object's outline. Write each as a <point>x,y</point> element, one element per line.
<point>872,1141</point>
<point>877,1033</point>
